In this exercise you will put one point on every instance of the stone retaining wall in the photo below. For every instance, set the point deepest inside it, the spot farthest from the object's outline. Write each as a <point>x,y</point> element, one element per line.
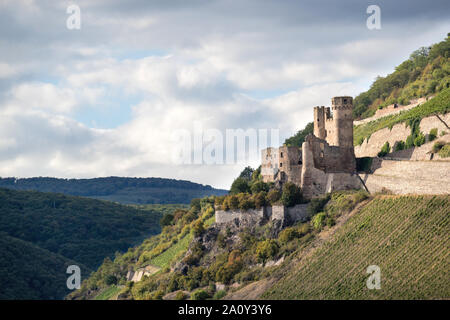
<point>403,177</point>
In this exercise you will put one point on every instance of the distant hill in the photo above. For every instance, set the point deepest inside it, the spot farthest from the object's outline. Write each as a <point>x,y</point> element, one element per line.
<point>118,189</point>
<point>29,272</point>
<point>82,229</point>
<point>42,233</point>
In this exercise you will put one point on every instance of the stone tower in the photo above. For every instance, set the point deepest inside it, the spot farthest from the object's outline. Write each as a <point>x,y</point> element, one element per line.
<point>341,128</point>
<point>319,122</point>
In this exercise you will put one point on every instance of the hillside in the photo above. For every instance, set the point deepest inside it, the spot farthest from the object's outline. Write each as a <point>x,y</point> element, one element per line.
<point>406,236</point>
<point>30,272</point>
<point>325,258</point>
<point>118,189</point>
<point>81,229</point>
<point>425,73</point>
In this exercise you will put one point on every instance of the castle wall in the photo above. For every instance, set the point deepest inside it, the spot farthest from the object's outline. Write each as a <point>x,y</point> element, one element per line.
<point>290,164</point>
<point>269,164</point>
<point>252,216</point>
<point>399,132</point>
<point>330,158</point>
<point>403,177</point>
<point>287,215</point>
<point>327,173</point>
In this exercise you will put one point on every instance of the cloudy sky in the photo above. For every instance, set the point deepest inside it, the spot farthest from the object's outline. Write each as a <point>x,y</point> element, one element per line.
<point>106,99</point>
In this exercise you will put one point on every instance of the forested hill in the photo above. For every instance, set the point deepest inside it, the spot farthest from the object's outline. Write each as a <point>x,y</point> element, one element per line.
<point>30,272</point>
<point>42,233</point>
<point>118,189</point>
<point>81,229</point>
<point>426,72</point>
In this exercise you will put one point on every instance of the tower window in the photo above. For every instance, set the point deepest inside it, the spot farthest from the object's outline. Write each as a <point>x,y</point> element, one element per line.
<point>281,154</point>
<point>281,164</point>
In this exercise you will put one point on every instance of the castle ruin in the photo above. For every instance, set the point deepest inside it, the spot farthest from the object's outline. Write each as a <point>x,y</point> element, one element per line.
<point>326,160</point>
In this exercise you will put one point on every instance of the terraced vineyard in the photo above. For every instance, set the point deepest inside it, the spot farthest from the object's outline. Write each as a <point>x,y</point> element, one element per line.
<point>408,237</point>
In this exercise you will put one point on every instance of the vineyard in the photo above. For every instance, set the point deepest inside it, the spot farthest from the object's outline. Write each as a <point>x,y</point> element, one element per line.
<point>437,105</point>
<point>406,236</point>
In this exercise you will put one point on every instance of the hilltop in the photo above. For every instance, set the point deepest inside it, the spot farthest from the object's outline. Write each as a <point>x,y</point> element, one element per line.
<point>426,72</point>
<point>118,189</point>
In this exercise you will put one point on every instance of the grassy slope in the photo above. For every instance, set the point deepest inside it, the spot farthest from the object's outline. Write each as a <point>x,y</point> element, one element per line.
<point>406,236</point>
<point>30,272</point>
<point>440,104</point>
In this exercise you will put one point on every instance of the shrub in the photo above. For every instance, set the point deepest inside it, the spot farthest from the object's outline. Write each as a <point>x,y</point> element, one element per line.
<point>409,142</point>
<point>195,205</point>
<point>218,201</point>
<point>259,186</point>
<point>419,140</point>
<point>360,141</point>
<point>266,250</point>
<point>198,228</point>
<point>400,145</point>
<point>260,199</point>
<point>231,202</point>
<point>287,235</point>
<point>180,296</point>
<point>245,201</point>
<point>433,134</point>
<point>291,195</point>
<point>110,280</point>
<point>199,294</point>
<point>437,146</point>
<point>219,294</point>
<point>445,151</point>
<point>157,295</point>
<point>240,185</point>
<point>385,149</point>
<point>166,220</point>
<point>329,221</point>
<point>273,196</point>
<point>317,204</point>
<point>224,274</point>
<point>318,220</point>
<point>303,229</point>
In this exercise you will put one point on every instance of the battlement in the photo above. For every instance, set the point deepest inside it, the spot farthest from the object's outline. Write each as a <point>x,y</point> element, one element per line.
<point>326,161</point>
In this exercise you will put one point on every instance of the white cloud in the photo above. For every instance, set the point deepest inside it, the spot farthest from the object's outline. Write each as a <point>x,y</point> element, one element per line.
<point>175,66</point>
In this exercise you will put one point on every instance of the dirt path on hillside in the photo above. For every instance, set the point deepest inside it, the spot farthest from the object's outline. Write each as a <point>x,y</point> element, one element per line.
<point>255,289</point>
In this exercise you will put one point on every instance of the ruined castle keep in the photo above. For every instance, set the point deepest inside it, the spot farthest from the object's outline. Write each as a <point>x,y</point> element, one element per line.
<point>326,160</point>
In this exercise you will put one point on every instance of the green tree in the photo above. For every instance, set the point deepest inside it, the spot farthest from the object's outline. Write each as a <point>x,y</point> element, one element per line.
<point>298,139</point>
<point>266,250</point>
<point>246,173</point>
<point>166,220</point>
<point>240,185</point>
<point>273,196</point>
<point>291,195</point>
